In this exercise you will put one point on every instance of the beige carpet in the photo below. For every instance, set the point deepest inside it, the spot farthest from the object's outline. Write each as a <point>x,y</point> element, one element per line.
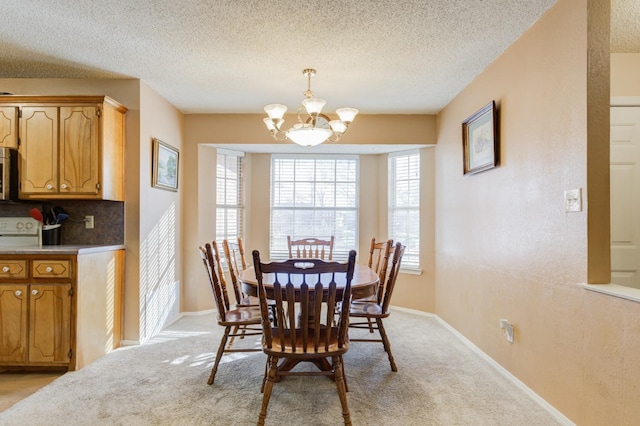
<point>440,382</point>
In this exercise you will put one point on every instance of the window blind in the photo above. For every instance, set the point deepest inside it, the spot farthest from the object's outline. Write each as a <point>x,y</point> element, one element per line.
<point>404,205</point>
<point>229,197</point>
<point>314,196</point>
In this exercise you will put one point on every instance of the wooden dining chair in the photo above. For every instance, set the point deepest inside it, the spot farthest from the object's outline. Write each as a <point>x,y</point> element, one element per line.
<point>234,254</point>
<point>311,294</point>
<point>379,253</point>
<point>239,321</point>
<point>366,311</point>
<point>310,248</point>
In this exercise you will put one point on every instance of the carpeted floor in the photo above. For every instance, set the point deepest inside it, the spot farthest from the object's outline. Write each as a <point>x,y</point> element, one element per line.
<point>440,382</point>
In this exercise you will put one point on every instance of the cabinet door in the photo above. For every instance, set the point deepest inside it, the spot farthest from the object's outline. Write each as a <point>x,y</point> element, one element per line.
<point>50,323</point>
<point>8,127</point>
<point>39,149</point>
<point>13,322</point>
<point>79,166</point>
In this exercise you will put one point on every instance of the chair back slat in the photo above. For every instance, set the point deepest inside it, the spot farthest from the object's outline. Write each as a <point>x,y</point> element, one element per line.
<point>219,293</point>
<point>220,274</point>
<point>304,315</point>
<point>305,299</point>
<point>310,248</point>
<point>234,255</point>
<point>398,252</point>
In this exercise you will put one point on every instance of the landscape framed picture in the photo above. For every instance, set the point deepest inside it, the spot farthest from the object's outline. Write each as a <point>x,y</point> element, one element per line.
<point>165,166</point>
<point>480,140</point>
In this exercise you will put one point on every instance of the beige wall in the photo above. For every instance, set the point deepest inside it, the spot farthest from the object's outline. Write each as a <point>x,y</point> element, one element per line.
<point>505,248</point>
<point>625,74</point>
<point>160,220</point>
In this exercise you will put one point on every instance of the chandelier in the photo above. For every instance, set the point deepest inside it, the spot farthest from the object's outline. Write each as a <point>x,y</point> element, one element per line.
<point>312,127</point>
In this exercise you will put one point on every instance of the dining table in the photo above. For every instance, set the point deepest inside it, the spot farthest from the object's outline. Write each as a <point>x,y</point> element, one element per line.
<point>363,284</point>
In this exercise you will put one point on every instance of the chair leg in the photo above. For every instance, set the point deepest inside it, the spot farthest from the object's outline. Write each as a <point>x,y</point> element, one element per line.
<point>387,345</point>
<point>223,343</point>
<point>233,333</point>
<point>370,325</point>
<point>264,376</point>
<point>271,378</point>
<point>344,376</point>
<point>342,392</point>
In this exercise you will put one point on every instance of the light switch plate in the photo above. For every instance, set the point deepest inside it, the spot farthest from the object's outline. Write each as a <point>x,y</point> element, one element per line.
<point>573,200</point>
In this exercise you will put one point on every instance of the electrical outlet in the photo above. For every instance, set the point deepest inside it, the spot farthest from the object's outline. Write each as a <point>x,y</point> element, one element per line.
<point>88,222</point>
<point>507,329</point>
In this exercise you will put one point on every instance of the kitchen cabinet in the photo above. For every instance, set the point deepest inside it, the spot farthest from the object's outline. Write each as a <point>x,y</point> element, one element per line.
<point>59,311</point>
<point>35,323</point>
<point>71,147</point>
<point>8,127</point>
<point>13,322</point>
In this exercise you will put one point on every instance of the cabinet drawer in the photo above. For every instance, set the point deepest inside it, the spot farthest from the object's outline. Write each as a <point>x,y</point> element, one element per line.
<point>51,269</point>
<point>13,269</point>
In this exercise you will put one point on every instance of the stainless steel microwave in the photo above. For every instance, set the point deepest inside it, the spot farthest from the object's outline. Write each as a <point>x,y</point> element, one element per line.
<point>8,174</point>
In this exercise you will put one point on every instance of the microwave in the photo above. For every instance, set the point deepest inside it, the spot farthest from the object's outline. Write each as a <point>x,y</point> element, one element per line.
<point>8,174</point>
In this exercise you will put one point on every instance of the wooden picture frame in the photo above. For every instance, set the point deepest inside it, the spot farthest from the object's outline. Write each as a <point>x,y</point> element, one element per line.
<point>480,140</point>
<point>166,161</point>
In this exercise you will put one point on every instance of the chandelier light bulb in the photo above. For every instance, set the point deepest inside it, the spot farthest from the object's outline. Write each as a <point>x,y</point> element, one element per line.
<point>313,105</point>
<point>275,111</point>
<point>338,126</point>
<point>347,114</point>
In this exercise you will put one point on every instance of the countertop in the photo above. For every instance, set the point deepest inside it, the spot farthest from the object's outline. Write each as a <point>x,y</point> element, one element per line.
<point>61,249</point>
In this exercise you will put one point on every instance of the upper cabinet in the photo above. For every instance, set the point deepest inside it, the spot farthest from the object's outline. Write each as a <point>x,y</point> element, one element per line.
<point>8,127</point>
<point>71,147</point>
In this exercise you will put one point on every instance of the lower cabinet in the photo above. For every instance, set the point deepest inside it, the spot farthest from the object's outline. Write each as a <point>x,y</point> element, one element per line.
<point>35,324</point>
<point>14,318</point>
<point>59,311</point>
<point>49,323</point>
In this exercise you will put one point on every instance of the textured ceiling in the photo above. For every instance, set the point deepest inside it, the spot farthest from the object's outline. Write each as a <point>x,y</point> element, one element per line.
<point>380,56</point>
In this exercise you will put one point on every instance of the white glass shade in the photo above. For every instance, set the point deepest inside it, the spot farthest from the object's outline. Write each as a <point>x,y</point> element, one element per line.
<point>313,105</point>
<point>275,111</point>
<point>307,136</point>
<point>347,114</point>
<point>337,126</point>
<point>271,125</point>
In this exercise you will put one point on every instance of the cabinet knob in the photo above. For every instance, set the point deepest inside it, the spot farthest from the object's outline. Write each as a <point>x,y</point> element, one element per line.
<point>18,293</point>
<point>49,186</point>
<point>49,269</point>
<point>63,186</point>
<point>5,269</point>
<point>34,292</point>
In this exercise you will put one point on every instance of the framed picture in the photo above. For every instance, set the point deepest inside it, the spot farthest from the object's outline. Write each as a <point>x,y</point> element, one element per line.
<point>165,165</point>
<point>480,140</point>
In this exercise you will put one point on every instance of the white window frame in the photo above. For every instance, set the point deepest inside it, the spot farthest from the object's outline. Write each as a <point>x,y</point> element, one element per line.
<point>411,258</point>
<point>222,206</point>
<point>278,244</point>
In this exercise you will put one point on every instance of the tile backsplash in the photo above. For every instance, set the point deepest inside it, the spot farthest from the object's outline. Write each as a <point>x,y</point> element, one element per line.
<point>108,219</point>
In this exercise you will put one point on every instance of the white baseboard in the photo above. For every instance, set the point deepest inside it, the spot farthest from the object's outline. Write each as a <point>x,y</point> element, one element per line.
<point>208,311</point>
<point>499,368</point>
<point>503,371</point>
